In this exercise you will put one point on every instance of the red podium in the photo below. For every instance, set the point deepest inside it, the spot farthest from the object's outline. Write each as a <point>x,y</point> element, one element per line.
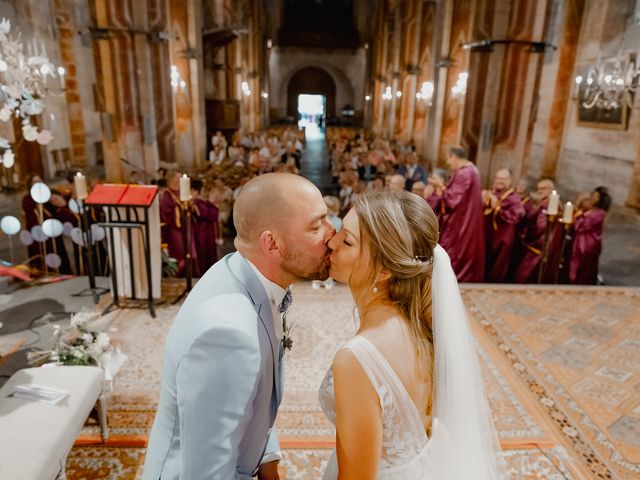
<point>129,209</point>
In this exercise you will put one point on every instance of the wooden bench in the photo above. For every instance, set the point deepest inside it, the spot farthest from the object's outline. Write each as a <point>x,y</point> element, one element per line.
<point>35,437</point>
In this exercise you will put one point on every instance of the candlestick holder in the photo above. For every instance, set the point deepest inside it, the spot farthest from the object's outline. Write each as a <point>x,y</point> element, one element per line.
<point>186,237</point>
<point>567,238</point>
<point>542,270</point>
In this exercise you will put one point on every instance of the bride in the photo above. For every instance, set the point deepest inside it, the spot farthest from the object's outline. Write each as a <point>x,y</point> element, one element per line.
<point>405,393</point>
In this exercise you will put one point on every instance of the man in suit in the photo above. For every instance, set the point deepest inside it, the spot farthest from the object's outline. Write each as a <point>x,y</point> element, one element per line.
<point>222,375</point>
<point>412,171</point>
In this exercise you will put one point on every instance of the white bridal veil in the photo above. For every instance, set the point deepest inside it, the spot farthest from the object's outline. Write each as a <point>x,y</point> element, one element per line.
<point>464,439</point>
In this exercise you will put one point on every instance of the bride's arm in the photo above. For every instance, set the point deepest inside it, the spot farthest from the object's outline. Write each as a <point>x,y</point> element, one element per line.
<point>358,420</point>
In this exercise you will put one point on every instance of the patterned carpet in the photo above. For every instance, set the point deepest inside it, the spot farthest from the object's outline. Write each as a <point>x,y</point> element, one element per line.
<point>564,387</point>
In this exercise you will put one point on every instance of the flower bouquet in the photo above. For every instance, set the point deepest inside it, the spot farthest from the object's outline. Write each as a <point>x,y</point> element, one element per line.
<point>84,342</point>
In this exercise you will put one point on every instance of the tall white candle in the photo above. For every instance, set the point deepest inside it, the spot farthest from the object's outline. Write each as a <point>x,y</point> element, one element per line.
<point>185,188</point>
<point>554,203</point>
<point>567,216</point>
<point>80,181</point>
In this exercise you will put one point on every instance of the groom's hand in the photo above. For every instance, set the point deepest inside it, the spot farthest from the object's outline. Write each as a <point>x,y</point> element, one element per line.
<point>268,471</point>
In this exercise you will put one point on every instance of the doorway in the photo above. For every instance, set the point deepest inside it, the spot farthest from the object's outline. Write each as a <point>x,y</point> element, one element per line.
<point>312,114</point>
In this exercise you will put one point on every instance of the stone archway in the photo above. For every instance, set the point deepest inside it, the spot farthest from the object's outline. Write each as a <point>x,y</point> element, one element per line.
<point>311,80</point>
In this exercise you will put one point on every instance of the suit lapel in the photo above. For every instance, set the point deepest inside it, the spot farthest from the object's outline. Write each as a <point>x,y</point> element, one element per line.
<point>245,274</point>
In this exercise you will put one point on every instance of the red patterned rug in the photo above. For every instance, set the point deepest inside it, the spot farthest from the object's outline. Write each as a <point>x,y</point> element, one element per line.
<point>546,429</point>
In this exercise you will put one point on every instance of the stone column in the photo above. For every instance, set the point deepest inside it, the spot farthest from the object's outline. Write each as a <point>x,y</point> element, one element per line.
<point>145,89</point>
<point>450,113</point>
<point>503,85</point>
<point>567,50</point>
<point>66,30</point>
<point>395,71</point>
<point>111,147</point>
<point>410,99</point>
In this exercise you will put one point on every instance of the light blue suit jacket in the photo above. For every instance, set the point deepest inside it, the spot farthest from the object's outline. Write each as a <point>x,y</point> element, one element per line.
<point>222,381</point>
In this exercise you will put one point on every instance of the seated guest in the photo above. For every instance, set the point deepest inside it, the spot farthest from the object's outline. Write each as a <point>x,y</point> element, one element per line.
<point>503,210</point>
<point>462,231</point>
<point>333,211</point>
<point>205,227</point>
<point>587,237</point>
<point>367,171</point>
<point>418,188</point>
<point>377,184</point>
<point>412,171</point>
<point>396,183</point>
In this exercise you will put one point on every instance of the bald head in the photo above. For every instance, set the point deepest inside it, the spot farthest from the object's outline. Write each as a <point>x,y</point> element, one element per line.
<point>502,180</point>
<point>269,202</point>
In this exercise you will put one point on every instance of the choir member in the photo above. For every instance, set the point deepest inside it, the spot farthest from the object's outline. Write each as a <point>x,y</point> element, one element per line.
<point>533,238</point>
<point>587,238</point>
<point>171,216</point>
<point>503,211</point>
<point>205,228</point>
<point>462,229</point>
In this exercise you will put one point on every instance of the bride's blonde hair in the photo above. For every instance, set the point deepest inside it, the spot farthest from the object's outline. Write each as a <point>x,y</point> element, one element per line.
<point>401,232</point>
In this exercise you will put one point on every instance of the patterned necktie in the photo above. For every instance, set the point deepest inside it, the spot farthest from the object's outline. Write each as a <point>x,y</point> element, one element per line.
<point>286,301</point>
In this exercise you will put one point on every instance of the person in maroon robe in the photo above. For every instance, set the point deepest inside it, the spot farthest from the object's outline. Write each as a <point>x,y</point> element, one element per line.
<point>503,211</point>
<point>462,229</point>
<point>205,228</point>
<point>172,231</point>
<point>587,238</point>
<point>533,238</point>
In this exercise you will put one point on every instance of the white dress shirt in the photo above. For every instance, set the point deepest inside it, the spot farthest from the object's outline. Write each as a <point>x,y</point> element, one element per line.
<point>275,294</point>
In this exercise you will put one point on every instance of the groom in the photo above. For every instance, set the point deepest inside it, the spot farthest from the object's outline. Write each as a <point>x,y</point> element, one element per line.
<point>222,374</point>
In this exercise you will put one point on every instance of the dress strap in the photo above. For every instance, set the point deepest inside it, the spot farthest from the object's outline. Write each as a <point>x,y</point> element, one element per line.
<point>384,379</point>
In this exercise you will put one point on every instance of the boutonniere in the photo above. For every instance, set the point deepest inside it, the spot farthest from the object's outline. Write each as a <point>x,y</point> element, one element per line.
<point>287,341</point>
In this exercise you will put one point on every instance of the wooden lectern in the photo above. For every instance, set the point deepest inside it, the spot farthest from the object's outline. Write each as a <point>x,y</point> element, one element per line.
<point>133,232</point>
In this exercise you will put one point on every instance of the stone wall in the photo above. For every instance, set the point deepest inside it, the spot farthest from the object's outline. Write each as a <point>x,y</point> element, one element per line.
<point>589,156</point>
<point>346,67</point>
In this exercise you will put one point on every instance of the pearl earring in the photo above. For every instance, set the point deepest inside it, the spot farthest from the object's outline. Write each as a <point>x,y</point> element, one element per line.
<point>375,288</point>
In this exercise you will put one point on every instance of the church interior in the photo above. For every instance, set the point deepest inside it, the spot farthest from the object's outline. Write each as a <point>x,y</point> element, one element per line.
<point>128,128</point>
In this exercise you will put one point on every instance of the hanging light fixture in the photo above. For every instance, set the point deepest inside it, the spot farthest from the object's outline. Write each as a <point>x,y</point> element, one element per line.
<point>426,93</point>
<point>459,90</point>
<point>609,84</point>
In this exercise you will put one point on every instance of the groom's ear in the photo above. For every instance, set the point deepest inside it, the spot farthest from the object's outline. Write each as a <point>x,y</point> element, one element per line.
<point>268,244</point>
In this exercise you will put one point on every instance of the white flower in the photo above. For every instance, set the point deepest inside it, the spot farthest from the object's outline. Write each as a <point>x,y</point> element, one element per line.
<point>29,132</point>
<point>5,113</point>
<point>79,319</point>
<point>87,338</point>
<point>32,107</point>
<point>103,340</point>
<point>14,91</point>
<point>5,26</point>
<point>44,137</point>
<point>8,158</point>
<point>4,143</point>
<point>3,66</point>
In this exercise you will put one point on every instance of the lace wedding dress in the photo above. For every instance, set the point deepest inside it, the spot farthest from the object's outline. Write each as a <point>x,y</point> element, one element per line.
<point>405,445</point>
<point>464,443</point>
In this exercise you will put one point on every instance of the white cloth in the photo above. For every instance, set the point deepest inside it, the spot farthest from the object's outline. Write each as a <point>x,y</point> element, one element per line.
<point>275,293</point>
<point>464,442</point>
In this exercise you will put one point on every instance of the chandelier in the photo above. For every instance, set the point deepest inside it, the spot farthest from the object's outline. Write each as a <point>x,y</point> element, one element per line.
<point>609,84</point>
<point>23,85</point>
<point>459,90</point>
